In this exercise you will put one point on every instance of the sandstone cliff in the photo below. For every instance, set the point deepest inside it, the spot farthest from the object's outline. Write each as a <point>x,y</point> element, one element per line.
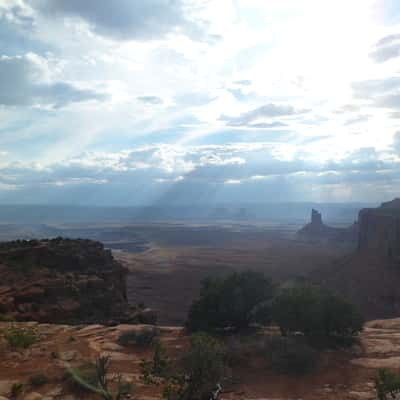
<point>380,229</point>
<point>370,276</point>
<point>62,280</point>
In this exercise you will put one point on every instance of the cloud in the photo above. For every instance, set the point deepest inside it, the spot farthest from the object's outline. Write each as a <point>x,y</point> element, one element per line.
<point>379,92</point>
<point>130,19</point>
<point>396,142</point>
<point>241,95</point>
<point>243,82</point>
<point>347,108</point>
<point>24,81</point>
<point>194,99</point>
<point>386,48</point>
<point>171,173</point>
<point>150,99</point>
<point>357,119</point>
<point>256,116</point>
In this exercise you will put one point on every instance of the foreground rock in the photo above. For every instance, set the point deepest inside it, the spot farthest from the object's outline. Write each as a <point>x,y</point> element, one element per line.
<point>63,280</point>
<point>347,374</point>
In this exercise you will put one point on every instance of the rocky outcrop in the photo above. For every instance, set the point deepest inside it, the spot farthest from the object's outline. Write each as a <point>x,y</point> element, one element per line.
<point>317,230</point>
<point>380,229</point>
<point>62,280</point>
<point>370,276</point>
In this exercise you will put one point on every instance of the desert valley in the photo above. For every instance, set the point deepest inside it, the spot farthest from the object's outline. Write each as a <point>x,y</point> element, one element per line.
<point>67,302</point>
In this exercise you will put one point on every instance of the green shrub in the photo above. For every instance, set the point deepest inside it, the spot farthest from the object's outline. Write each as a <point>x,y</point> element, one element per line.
<point>290,356</point>
<point>93,378</point>
<point>38,380</point>
<point>242,350</point>
<point>143,338</point>
<point>6,318</point>
<point>317,314</point>
<point>202,368</point>
<point>16,390</point>
<point>233,302</point>
<point>18,338</point>
<point>386,383</point>
<point>157,367</point>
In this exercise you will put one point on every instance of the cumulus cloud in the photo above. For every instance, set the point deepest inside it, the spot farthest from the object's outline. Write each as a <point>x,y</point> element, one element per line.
<point>258,115</point>
<point>23,81</point>
<point>130,19</point>
<point>386,48</point>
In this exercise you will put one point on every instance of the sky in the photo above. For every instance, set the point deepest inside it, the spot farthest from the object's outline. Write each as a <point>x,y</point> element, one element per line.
<point>142,102</point>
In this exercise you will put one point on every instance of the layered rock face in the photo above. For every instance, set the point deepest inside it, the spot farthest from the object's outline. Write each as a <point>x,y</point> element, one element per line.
<point>380,229</point>
<point>62,280</point>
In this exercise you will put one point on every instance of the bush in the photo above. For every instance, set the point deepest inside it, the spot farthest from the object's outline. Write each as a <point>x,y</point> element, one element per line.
<point>20,337</point>
<point>142,338</point>
<point>158,366</point>
<point>6,318</point>
<point>243,350</point>
<point>16,390</point>
<point>233,302</point>
<point>290,356</point>
<point>202,368</point>
<point>387,383</point>
<point>316,314</point>
<point>38,380</point>
<point>93,378</point>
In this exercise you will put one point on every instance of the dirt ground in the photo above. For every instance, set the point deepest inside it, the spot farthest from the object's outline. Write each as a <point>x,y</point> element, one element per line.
<point>340,374</point>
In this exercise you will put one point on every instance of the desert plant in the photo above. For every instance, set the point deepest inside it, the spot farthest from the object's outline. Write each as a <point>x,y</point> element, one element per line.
<point>143,338</point>
<point>316,313</point>
<point>157,366</point>
<point>18,338</point>
<point>243,349</point>
<point>94,379</point>
<point>233,302</point>
<point>386,383</point>
<point>6,318</point>
<point>290,356</point>
<point>38,380</point>
<point>202,369</point>
<point>16,390</point>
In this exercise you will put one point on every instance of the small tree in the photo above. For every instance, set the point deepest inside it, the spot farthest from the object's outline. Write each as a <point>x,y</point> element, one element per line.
<point>316,313</point>
<point>232,302</point>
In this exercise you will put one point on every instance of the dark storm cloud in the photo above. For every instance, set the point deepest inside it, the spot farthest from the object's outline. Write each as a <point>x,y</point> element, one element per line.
<point>129,19</point>
<point>150,99</point>
<point>254,116</point>
<point>22,83</point>
<point>386,48</point>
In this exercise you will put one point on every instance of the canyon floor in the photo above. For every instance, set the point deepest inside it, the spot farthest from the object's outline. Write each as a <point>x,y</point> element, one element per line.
<point>167,276</point>
<point>341,374</point>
